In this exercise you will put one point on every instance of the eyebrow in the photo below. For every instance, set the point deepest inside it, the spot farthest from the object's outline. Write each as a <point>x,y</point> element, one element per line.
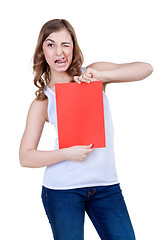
<point>54,41</point>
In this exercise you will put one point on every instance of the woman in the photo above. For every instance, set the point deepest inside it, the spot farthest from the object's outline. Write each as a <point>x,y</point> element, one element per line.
<point>78,178</point>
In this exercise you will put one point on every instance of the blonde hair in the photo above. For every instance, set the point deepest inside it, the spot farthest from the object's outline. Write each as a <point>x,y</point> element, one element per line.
<point>40,66</point>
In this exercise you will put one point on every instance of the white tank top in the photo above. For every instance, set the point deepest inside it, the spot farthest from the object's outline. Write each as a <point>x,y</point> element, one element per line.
<point>97,169</point>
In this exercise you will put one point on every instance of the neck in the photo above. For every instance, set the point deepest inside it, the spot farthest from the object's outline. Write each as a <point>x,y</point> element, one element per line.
<point>59,77</point>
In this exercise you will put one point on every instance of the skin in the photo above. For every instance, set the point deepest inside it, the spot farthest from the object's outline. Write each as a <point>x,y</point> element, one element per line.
<point>56,46</point>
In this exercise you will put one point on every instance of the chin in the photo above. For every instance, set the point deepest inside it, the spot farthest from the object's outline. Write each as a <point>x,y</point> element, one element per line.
<point>61,68</point>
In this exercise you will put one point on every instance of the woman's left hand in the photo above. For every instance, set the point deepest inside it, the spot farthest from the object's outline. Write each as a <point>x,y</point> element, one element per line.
<point>90,75</point>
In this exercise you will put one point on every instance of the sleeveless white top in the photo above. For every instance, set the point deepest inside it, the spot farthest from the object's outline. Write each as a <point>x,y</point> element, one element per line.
<point>97,169</point>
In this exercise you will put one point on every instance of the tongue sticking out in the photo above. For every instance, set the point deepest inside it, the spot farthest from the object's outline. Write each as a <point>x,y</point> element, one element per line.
<point>61,60</point>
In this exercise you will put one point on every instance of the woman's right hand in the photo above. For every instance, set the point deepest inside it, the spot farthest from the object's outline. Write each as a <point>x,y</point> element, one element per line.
<point>78,153</point>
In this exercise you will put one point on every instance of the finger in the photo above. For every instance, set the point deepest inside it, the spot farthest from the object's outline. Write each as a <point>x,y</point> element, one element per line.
<point>89,72</point>
<point>76,79</point>
<point>83,78</point>
<point>90,145</point>
<point>88,75</point>
<point>88,78</point>
<point>92,80</point>
<point>87,146</point>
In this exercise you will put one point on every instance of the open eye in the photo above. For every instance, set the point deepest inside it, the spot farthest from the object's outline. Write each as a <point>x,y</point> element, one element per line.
<point>50,45</point>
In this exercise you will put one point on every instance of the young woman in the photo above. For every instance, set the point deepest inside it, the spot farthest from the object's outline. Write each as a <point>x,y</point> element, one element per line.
<point>77,179</point>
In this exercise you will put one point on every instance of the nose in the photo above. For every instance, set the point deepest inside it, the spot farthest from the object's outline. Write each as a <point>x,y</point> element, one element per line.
<point>59,51</point>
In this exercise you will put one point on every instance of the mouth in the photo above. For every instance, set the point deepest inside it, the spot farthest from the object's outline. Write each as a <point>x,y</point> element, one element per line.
<point>61,61</point>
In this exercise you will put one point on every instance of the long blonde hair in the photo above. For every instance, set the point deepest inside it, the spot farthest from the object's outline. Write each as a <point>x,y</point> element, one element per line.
<point>40,66</point>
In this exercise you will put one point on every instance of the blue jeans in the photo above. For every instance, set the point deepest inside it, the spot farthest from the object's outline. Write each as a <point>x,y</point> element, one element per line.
<point>104,205</point>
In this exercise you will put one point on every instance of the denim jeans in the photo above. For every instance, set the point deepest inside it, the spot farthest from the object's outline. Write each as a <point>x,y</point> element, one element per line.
<point>104,205</point>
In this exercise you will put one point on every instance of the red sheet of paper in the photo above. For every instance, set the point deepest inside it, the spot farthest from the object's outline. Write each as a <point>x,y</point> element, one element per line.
<point>80,114</point>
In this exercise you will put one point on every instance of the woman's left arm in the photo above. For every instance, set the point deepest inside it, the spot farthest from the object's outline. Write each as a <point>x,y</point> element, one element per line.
<point>114,73</point>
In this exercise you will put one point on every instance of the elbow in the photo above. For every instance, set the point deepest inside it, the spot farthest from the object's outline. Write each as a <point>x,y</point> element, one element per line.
<point>150,68</point>
<point>146,69</point>
<point>26,158</point>
<point>22,159</point>
<point>22,163</point>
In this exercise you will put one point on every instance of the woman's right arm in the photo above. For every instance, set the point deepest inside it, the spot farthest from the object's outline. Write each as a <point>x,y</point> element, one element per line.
<point>29,155</point>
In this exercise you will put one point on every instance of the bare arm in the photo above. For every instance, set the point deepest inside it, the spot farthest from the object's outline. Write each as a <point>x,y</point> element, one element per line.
<point>114,73</point>
<point>28,153</point>
<point>124,72</point>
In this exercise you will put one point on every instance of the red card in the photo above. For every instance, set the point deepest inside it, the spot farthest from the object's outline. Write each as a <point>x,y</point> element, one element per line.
<point>80,114</point>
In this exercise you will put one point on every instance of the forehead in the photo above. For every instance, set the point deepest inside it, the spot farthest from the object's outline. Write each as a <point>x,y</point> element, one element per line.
<point>60,36</point>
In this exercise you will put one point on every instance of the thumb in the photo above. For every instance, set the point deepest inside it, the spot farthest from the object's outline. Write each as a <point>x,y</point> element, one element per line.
<point>87,146</point>
<point>90,145</point>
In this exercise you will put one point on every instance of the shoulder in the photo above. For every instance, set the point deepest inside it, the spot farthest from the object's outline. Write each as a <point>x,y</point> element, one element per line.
<point>104,66</point>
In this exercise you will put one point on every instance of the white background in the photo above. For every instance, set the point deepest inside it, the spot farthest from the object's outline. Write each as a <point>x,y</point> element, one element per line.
<point>112,31</point>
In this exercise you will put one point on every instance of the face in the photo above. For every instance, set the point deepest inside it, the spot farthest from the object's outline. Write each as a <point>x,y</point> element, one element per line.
<point>58,50</point>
